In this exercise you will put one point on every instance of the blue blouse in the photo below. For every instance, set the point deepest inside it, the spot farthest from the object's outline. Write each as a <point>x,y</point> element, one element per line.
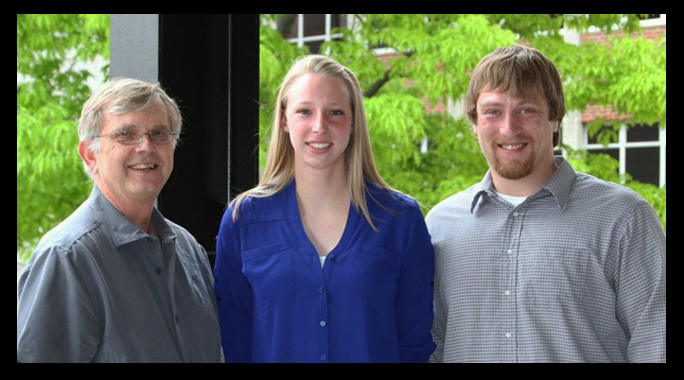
<point>370,302</point>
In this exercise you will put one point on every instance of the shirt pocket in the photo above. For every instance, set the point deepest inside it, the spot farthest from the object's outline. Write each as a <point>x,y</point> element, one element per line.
<point>565,272</point>
<point>375,272</point>
<point>270,270</point>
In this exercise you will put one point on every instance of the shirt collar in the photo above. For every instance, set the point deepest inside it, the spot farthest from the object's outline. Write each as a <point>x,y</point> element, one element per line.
<point>292,206</point>
<point>486,186</point>
<point>559,185</point>
<point>122,230</point>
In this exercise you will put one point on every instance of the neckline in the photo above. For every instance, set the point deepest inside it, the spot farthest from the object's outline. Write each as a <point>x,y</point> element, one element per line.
<point>352,218</point>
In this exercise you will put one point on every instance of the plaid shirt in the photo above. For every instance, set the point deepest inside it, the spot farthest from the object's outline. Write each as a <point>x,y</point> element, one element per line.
<point>575,273</point>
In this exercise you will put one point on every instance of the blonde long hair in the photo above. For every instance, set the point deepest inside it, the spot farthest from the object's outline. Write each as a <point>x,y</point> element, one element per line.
<point>359,162</point>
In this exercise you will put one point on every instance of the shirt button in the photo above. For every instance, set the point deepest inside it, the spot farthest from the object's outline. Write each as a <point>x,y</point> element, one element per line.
<point>321,290</point>
<point>322,323</point>
<point>510,251</point>
<point>158,270</point>
<point>507,292</point>
<point>516,214</point>
<point>508,335</point>
<point>323,357</point>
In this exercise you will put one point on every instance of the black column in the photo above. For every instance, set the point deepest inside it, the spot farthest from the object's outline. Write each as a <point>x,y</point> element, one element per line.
<point>210,65</point>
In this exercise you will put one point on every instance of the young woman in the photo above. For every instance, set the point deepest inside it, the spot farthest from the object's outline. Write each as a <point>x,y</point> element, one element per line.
<point>323,261</point>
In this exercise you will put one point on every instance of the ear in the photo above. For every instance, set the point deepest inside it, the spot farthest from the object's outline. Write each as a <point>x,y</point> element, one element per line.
<point>556,126</point>
<point>283,124</point>
<point>88,156</point>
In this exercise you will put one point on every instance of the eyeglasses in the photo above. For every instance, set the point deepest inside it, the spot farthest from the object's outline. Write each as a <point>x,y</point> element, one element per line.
<point>157,137</point>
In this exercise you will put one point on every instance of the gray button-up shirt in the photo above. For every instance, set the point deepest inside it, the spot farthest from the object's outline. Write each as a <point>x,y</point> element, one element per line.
<point>574,273</point>
<point>98,289</point>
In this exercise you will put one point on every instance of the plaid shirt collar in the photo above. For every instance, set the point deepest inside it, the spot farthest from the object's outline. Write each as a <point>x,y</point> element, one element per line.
<point>559,185</point>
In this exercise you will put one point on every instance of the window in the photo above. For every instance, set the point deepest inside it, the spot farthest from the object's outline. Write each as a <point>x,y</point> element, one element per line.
<point>640,150</point>
<point>314,29</point>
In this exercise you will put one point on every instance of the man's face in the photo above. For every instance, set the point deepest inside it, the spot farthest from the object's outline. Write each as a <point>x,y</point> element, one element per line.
<point>515,134</point>
<point>130,174</point>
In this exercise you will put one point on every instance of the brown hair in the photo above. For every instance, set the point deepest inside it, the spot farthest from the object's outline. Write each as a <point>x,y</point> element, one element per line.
<point>517,70</point>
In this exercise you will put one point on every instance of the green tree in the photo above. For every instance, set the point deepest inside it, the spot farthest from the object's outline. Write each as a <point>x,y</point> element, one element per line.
<point>51,88</point>
<point>436,55</point>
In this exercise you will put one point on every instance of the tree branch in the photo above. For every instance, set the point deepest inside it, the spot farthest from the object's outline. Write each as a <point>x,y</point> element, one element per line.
<point>375,87</point>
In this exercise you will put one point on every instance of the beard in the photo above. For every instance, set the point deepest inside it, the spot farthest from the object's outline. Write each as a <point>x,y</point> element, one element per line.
<point>514,169</point>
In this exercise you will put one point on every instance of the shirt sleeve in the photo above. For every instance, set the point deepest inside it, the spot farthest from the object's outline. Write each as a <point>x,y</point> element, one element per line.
<point>640,284</point>
<point>438,327</point>
<point>415,294</point>
<point>56,317</point>
<point>233,294</point>
<point>439,323</point>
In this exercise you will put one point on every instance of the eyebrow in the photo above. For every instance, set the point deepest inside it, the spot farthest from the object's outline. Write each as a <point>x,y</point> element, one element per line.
<point>308,103</point>
<point>517,104</point>
<point>127,127</point>
<point>489,104</point>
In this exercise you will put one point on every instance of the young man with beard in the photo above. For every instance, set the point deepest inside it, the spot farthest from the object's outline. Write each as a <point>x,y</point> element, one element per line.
<point>539,263</point>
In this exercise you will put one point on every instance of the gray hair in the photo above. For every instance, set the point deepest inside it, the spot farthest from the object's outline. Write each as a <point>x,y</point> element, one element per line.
<point>120,96</point>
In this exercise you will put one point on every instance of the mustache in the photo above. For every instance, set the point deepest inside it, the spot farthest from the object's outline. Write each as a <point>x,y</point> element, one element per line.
<point>513,140</point>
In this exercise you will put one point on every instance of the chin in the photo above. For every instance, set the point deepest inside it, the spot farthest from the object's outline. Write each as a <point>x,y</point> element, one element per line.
<point>514,171</point>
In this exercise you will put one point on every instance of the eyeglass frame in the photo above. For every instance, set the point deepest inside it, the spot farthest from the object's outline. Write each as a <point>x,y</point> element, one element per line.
<point>115,136</point>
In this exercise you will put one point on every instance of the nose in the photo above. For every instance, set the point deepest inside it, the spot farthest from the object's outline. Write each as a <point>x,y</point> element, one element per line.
<point>319,124</point>
<point>145,143</point>
<point>509,125</point>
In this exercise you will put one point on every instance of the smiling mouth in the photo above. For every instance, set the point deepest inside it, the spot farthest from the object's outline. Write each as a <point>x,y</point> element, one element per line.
<point>144,167</point>
<point>512,147</point>
<point>319,145</point>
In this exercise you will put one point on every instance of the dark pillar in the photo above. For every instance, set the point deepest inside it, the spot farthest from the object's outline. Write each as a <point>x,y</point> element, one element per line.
<point>210,65</point>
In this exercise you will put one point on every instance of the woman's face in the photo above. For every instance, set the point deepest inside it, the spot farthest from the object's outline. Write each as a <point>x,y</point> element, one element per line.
<point>318,118</point>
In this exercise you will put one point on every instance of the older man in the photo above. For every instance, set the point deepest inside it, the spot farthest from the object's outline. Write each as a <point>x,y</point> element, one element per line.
<point>116,281</point>
<point>537,262</point>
